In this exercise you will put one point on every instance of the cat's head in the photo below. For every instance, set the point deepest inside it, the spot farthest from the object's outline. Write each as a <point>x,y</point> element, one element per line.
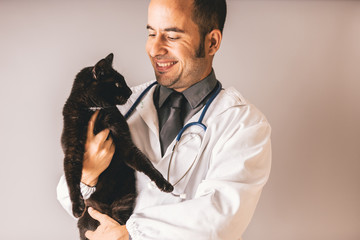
<point>105,86</point>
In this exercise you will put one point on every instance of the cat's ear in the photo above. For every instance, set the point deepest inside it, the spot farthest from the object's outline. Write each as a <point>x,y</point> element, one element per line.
<point>99,69</point>
<point>103,65</point>
<point>110,58</point>
<point>93,71</point>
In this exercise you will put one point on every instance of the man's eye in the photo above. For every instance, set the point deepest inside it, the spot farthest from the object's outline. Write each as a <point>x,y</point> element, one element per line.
<point>173,38</point>
<point>151,34</point>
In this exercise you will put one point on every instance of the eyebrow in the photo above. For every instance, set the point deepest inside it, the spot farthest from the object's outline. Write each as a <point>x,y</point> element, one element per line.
<point>170,29</point>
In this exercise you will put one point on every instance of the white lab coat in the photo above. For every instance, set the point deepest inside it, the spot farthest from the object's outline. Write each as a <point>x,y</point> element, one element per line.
<point>222,188</point>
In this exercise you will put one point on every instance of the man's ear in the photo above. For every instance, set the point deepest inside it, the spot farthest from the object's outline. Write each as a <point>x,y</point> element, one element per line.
<point>213,41</point>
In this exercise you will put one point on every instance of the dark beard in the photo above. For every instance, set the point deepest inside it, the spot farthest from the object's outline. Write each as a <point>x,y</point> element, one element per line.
<point>200,51</point>
<point>158,78</point>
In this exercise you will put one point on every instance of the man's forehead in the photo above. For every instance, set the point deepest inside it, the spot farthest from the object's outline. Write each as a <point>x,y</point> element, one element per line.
<point>169,15</point>
<point>170,7</point>
<point>181,4</point>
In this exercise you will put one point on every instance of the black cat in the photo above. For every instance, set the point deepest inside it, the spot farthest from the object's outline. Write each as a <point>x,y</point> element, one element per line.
<point>101,87</point>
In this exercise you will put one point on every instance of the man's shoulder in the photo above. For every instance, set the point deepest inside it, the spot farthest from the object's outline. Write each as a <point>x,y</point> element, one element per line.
<point>232,104</point>
<point>234,97</point>
<point>228,99</point>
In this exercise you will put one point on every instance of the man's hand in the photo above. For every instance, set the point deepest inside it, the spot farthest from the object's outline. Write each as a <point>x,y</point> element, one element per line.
<point>98,153</point>
<point>108,229</point>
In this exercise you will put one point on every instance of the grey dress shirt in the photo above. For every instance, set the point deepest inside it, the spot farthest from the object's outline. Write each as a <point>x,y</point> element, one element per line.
<point>196,97</point>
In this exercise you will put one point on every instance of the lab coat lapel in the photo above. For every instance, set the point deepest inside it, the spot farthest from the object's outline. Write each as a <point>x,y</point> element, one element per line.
<point>147,111</point>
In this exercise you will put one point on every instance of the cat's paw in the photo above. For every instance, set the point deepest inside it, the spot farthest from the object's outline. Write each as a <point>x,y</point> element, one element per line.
<point>79,209</point>
<point>165,186</point>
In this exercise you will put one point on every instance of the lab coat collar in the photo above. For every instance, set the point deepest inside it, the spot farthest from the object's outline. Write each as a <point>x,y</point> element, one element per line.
<point>147,111</point>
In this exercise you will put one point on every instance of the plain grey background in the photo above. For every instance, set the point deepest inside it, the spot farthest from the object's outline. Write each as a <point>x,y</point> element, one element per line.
<point>298,61</point>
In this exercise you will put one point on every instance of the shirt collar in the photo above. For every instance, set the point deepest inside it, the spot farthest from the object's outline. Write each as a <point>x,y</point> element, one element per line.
<point>194,94</point>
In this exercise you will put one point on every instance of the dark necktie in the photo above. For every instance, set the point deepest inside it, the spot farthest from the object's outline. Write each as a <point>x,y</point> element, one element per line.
<point>174,123</point>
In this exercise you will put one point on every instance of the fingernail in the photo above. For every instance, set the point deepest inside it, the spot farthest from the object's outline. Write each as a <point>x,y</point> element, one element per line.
<point>90,209</point>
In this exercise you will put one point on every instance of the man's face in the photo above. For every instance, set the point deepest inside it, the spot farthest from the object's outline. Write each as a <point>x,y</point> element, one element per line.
<point>172,44</point>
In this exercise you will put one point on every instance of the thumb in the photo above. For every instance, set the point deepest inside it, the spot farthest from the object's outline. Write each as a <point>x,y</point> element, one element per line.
<point>89,234</point>
<point>90,132</point>
<point>97,215</point>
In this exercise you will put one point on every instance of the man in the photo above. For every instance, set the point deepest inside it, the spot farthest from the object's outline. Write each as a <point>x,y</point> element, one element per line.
<point>218,174</point>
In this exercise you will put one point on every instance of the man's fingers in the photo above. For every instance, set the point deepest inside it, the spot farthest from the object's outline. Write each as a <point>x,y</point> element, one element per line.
<point>102,136</point>
<point>97,215</point>
<point>89,234</point>
<point>90,132</point>
<point>109,145</point>
<point>112,147</point>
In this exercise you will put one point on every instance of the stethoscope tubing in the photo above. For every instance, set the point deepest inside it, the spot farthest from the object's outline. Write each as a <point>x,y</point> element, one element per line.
<point>199,121</point>
<point>178,137</point>
<point>136,103</point>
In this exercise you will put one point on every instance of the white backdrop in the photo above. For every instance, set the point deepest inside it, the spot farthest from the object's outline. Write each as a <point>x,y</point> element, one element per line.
<point>298,61</point>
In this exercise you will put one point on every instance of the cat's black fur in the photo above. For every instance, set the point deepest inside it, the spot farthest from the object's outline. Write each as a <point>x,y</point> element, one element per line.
<point>103,87</point>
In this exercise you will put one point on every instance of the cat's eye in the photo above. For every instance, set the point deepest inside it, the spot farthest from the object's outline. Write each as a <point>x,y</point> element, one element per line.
<point>117,84</point>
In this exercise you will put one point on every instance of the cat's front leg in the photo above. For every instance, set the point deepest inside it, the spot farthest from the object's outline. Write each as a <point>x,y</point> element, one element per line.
<point>138,161</point>
<point>85,223</point>
<point>73,170</point>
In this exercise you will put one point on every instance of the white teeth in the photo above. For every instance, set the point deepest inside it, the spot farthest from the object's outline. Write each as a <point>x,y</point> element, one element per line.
<point>165,64</point>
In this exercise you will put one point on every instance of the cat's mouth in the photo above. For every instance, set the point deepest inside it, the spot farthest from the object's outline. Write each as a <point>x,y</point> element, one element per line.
<point>120,100</point>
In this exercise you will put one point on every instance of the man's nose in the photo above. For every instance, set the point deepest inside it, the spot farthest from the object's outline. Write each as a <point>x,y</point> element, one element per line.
<point>157,47</point>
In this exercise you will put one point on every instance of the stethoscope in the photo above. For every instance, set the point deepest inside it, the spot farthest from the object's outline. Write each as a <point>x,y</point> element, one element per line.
<point>198,123</point>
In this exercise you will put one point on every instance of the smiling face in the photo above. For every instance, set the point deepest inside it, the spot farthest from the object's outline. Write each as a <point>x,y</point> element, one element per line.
<point>173,44</point>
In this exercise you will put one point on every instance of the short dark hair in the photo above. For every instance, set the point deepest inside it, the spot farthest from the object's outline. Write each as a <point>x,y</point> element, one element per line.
<point>209,15</point>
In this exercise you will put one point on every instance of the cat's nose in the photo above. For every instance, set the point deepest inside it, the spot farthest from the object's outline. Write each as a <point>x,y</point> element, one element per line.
<point>129,92</point>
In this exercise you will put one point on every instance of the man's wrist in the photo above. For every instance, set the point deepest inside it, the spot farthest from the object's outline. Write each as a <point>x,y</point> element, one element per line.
<point>88,180</point>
